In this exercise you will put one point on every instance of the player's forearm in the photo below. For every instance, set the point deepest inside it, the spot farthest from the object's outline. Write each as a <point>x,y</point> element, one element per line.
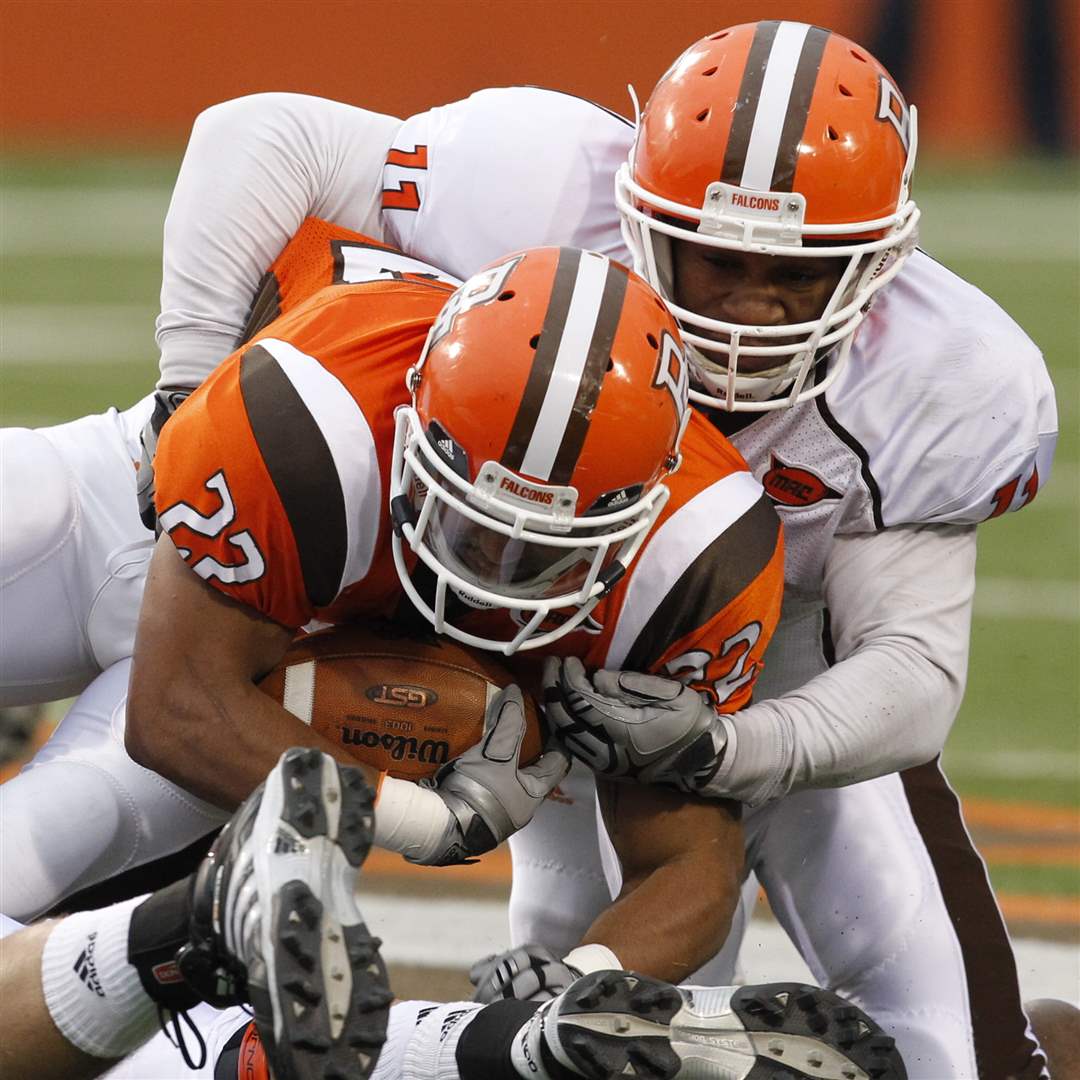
<point>675,920</point>
<point>901,605</point>
<point>254,169</point>
<point>823,736</point>
<point>219,745</point>
<point>681,860</point>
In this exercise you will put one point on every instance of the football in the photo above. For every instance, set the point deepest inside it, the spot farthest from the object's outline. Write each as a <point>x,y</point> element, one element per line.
<point>403,705</point>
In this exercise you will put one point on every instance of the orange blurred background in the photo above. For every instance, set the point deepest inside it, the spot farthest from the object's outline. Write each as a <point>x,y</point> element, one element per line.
<point>133,73</point>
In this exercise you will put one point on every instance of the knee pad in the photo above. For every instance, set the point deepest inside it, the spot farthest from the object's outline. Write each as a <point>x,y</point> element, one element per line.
<point>63,825</point>
<point>38,511</point>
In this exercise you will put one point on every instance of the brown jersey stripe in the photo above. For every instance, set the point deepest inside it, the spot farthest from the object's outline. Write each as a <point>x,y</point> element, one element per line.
<point>265,308</point>
<point>547,348</point>
<point>742,122</point>
<point>301,469</point>
<point>728,566</point>
<point>607,322</point>
<point>1003,1049</point>
<point>802,90</point>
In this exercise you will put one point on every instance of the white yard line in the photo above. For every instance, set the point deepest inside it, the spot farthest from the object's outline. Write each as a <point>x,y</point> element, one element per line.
<point>1025,598</point>
<point>82,221</point>
<point>1016,764</point>
<point>70,333</point>
<point>1027,223</point>
<point>413,930</point>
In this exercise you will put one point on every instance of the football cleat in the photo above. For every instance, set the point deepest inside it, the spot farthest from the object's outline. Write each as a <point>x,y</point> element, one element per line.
<point>285,925</point>
<point>615,1024</point>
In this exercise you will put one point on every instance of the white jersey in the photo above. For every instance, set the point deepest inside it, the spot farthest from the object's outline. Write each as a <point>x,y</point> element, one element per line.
<point>943,417</point>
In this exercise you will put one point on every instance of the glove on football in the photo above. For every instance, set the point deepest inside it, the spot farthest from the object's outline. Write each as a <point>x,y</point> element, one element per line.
<point>528,973</point>
<point>629,726</point>
<point>489,795</point>
<point>166,402</point>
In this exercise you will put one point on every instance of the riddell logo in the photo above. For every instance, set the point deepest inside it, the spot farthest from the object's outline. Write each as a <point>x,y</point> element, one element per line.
<point>792,485</point>
<point>754,202</point>
<point>528,493</point>
<point>85,968</point>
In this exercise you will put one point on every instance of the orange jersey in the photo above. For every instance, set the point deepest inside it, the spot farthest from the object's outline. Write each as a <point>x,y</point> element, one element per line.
<point>273,478</point>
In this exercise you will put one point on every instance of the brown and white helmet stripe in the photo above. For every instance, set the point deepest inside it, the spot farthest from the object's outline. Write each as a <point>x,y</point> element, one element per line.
<point>773,103</point>
<point>571,359</point>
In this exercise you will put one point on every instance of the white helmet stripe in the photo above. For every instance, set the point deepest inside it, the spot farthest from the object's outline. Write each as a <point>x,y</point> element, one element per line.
<point>569,367</point>
<point>772,109</point>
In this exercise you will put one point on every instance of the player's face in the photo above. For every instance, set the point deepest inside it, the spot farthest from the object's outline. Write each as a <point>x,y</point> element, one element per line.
<point>753,289</point>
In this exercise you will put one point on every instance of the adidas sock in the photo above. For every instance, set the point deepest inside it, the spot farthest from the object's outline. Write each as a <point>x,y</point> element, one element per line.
<point>421,1040</point>
<point>95,997</point>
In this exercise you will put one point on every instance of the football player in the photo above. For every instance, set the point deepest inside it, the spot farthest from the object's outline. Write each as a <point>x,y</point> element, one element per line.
<point>538,446</point>
<point>941,416</point>
<point>272,917</point>
<point>887,405</point>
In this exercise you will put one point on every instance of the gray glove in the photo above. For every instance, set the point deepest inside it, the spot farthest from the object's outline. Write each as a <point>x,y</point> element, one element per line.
<point>489,795</point>
<point>528,973</point>
<point>166,402</point>
<point>629,726</point>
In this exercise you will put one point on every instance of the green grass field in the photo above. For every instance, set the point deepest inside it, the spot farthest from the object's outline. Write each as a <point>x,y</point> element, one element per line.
<point>79,278</point>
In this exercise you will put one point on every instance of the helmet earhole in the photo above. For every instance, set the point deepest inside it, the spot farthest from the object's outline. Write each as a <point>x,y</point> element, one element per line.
<point>702,116</point>
<point>832,134</point>
<point>508,295</point>
<point>709,71</point>
<point>653,343</point>
<point>844,90</point>
<point>534,341</point>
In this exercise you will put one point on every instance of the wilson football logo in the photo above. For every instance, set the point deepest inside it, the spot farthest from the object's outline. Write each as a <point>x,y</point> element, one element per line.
<point>792,485</point>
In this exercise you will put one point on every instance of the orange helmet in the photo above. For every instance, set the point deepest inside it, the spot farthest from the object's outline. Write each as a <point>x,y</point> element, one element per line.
<point>777,138</point>
<point>547,409</point>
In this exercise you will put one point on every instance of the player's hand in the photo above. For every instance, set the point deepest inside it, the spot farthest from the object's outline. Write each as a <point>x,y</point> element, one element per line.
<point>166,402</point>
<point>528,973</point>
<point>629,726</point>
<point>489,795</point>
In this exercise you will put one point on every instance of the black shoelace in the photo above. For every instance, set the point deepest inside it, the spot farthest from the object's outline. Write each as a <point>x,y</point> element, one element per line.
<point>174,1016</point>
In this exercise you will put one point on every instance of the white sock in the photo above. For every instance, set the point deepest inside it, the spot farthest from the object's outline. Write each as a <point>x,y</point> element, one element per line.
<point>93,994</point>
<point>422,1038</point>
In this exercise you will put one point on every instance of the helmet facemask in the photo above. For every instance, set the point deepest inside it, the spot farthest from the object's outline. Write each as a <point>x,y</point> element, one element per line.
<point>504,541</point>
<point>650,224</point>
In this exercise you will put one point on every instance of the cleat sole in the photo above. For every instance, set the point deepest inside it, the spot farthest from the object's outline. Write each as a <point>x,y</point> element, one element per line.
<point>614,1024</point>
<point>324,1012</point>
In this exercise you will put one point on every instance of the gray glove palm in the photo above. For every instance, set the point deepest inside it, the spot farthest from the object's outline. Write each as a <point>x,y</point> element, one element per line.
<point>489,795</point>
<point>527,973</point>
<point>166,402</point>
<point>629,726</point>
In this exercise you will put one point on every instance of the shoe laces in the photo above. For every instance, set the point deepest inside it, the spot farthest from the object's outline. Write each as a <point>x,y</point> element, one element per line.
<point>174,1016</point>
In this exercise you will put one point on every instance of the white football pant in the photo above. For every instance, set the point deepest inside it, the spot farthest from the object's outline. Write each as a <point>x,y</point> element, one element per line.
<point>73,553</point>
<point>852,880</point>
<point>82,811</point>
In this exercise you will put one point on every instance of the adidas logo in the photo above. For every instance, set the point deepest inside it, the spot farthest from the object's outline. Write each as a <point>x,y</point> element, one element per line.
<point>619,497</point>
<point>85,968</point>
<point>446,446</point>
<point>448,1023</point>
